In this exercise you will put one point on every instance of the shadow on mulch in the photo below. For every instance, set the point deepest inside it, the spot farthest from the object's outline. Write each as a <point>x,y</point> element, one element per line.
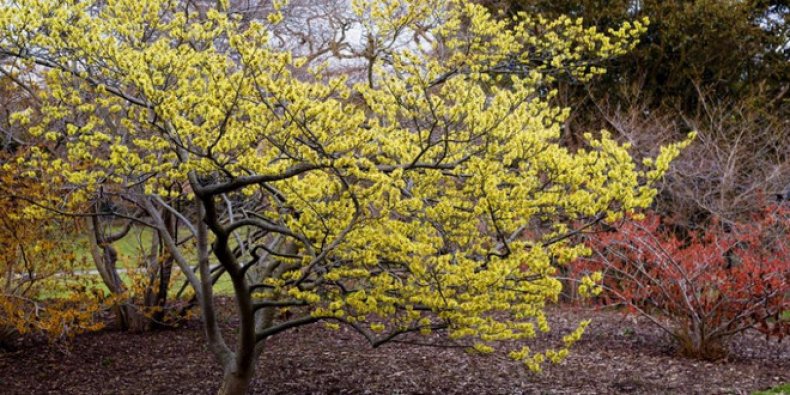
<point>617,355</point>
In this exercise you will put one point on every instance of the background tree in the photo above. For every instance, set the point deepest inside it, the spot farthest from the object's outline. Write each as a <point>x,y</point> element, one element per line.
<point>734,49</point>
<point>394,205</point>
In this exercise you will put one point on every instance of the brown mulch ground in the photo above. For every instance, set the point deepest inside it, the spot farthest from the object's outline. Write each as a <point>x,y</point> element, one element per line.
<point>617,355</point>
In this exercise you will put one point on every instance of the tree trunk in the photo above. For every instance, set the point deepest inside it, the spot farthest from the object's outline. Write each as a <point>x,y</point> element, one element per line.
<point>165,271</point>
<point>234,383</point>
<point>136,321</point>
<point>105,258</point>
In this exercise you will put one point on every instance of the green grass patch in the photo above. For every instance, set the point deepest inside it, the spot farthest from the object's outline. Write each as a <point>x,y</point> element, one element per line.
<point>134,245</point>
<point>81,276</point>
<point>782,389</point>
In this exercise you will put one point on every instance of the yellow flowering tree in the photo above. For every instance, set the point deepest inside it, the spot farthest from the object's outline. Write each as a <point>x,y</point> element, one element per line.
<point>429,193</point>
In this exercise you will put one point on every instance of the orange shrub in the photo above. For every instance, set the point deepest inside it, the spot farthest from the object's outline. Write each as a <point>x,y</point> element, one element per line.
<point>704,288</point>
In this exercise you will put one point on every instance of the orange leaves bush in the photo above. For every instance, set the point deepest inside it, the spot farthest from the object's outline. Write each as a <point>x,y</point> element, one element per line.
<point>39,292</point>
<point>702,288</point>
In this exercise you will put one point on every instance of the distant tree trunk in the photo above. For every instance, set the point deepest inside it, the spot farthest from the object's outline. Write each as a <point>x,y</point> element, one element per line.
<point>105,258</point>
<point>161,267</point>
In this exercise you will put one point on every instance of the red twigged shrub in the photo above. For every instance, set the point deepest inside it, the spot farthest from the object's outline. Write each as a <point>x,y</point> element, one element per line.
<point>704,288</point>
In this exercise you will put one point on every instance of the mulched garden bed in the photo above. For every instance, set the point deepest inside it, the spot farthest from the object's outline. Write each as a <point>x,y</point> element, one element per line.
<point>617,355</point>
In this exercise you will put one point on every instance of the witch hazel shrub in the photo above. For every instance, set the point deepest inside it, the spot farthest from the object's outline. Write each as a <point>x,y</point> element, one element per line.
<point>704,287</point>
